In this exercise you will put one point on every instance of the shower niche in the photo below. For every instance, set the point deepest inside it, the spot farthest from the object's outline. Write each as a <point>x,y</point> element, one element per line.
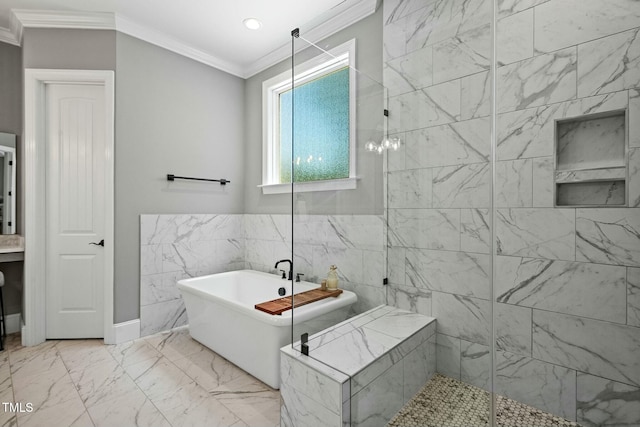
<point>591,160</point>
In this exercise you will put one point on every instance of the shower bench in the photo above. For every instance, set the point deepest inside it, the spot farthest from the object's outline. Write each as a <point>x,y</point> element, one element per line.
<point>360,372</point>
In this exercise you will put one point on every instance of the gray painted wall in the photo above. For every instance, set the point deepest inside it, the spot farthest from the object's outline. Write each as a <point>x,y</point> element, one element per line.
<point>173,115</point>
<point>368,197</point>
<point>69,49</point>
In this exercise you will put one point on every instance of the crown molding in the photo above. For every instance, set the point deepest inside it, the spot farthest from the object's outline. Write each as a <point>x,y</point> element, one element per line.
<point>8,36</point>
<point>317,32</point>
<point>67,19</point>
<point>112,21</point>
<point>13,34</point>
<point>127,26</point>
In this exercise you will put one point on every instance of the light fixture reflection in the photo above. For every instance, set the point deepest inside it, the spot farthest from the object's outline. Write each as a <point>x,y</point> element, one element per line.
<point>386,144</point>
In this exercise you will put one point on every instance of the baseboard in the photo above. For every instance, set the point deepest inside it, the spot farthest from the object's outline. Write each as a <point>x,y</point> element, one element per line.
<point>14,323</point>
<point>123,332</point>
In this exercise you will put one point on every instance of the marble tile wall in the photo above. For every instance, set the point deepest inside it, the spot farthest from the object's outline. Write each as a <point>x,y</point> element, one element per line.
<point>439,185</point>
<point>174,247</point>
<point>354,243</point>
<point>361,371</point>
<point>566,281</point>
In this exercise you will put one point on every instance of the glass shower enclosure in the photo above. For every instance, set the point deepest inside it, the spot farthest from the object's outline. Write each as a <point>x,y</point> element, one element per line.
<point>499,196</point>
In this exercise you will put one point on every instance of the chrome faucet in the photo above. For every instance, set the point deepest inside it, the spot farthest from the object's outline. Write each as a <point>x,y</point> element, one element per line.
<point>290,267</point>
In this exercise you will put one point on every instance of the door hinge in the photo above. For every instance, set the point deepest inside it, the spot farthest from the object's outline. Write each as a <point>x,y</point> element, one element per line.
<point>9,192</point>
<point>304,347</point>
<point>9,223</point>
<point>10,162</point>
<point>385,281</point>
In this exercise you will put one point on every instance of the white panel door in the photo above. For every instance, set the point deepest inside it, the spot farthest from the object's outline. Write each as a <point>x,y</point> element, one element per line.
<point>76,173</point>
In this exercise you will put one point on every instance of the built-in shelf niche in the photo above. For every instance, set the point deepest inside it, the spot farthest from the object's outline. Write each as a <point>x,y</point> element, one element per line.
<point>591,160</point>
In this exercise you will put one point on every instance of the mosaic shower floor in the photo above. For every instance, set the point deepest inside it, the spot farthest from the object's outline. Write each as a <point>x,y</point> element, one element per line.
<point>447,402</point>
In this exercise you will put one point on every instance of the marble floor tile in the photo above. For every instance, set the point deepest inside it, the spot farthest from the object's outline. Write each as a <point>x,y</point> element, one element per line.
<point>84,383</point>
<point>84,354</point>
<point>159,380</point>
<point>33,360</point>
<point>261,408</point>
<point>132,352</point>
<point>190,406</point>
<point>8,420</point>
<point>130,408</point>
<point>102,382</point>
<point>216,374</point>
<point>53,396</point>
<point>13,342</point>
<point>176,344</point>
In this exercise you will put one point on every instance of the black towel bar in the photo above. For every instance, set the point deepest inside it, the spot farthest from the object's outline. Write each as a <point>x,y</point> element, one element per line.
<point>171,177</point>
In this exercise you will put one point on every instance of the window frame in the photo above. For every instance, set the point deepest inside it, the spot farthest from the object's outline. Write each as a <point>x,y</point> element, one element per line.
<point>342,55</point>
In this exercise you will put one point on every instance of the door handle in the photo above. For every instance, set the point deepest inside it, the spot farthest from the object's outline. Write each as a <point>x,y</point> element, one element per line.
<point>100,243</point>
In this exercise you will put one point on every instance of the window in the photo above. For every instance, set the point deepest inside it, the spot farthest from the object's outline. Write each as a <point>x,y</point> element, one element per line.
<point>324,150</point>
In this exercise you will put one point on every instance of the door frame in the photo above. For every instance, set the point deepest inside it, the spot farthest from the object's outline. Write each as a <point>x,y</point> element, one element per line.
<point>34,167</point>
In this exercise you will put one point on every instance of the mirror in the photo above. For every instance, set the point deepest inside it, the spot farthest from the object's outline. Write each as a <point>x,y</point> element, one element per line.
<point>7,183</point>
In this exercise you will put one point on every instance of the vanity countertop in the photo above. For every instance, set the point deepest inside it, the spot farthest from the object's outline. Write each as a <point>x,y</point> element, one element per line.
<point>11,243</point>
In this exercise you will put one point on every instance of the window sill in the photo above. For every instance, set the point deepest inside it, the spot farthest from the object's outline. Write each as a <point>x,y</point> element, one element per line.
<point>301,187</point>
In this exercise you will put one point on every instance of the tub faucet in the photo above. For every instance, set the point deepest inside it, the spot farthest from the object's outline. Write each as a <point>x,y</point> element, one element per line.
<point>290,267</point>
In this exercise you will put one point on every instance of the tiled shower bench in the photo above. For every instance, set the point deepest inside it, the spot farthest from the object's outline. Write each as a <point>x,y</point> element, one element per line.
<point>359,372</point>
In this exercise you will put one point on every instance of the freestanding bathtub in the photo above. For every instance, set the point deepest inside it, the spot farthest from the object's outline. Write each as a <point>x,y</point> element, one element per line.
<point>222,316</point>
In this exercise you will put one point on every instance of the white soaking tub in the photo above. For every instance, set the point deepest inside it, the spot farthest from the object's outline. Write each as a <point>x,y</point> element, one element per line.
<point>222,316</point>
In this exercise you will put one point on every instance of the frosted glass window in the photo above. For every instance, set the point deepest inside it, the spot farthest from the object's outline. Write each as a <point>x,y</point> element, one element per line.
<point>321,144</point>
<point>324,110</point>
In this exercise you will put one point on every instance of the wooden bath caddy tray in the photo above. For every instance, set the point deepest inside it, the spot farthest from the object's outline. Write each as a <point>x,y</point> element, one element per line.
<point>280,305</point>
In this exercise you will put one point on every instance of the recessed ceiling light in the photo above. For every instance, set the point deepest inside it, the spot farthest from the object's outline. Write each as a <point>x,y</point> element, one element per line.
<point>252,23</point>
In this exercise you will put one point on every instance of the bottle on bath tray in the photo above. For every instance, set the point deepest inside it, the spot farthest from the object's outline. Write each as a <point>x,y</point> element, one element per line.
<point>332,278</point>
<point>323,285</point>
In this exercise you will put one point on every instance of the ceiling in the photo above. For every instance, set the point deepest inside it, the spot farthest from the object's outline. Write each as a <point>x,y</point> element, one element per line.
<point>210,31</point>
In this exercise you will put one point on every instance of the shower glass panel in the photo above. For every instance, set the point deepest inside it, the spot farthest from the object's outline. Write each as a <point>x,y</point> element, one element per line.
<point>335,110</point>
<point>329,152</point>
